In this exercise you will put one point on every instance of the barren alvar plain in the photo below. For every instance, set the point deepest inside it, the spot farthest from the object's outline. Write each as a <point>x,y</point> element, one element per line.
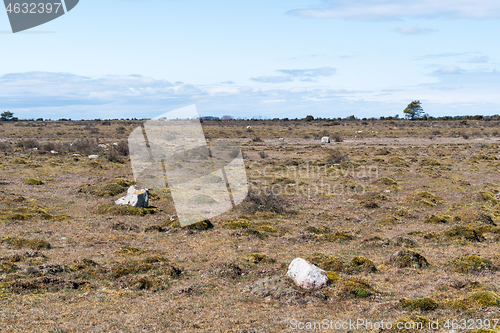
<point>403,216</point>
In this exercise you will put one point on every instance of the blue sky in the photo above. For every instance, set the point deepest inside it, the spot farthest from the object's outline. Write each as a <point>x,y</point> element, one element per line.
<point>273,58</point>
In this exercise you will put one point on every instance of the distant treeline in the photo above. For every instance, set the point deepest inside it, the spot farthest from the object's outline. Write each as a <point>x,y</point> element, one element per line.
<point>307,119</point>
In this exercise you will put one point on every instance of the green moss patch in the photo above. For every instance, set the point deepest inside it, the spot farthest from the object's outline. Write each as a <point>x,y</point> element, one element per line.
<point>112,209</point>
<point>398,161</point>
<point>165,226</point>
<point>154,267</point>
<point>21,242</point>
<point>482,157</point>
<point>429,161</point>
<point>472,264</point>
<point>130,250</point>
<point>464,233</point>
<point>339,236</point>
<point>354,287</point>
<point>237,224</point>
<point>425,198</point>
<point>110,188</point>
<point>327,263</point>
<point>360,264</point>
<point>261,230</point>
<point>386,181</point>
<point>437,219</point>
<point>33,181</point>
<point>485,197</point>
<point>480,298</point>
<point>390,220</point>
<point>407,258</point>
<point>42,284</point>
<point>422,304</point>
<point>323,229</point>
<point>256,258</point>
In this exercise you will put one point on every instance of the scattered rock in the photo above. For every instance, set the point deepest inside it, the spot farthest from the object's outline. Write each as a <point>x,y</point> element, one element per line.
<point>136,197</point>
<point>92,157</point>
<point>325,139</point>
<point>307,276</point>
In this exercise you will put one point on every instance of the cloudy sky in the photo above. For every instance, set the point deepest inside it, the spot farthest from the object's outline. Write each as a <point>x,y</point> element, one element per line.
<point>267,58</point>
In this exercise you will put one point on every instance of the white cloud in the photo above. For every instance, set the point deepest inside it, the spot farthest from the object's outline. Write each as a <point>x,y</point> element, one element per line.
<point>309,73</point>
<point>305,75</point>
<point>405,30</point>
<point>449,70</point>
<point>396,9</point>
<point>56,95</point>
<point>272,79</point>
<point>478,60</point>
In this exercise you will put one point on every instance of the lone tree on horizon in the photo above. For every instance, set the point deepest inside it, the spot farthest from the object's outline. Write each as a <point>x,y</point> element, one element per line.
<point>6,116</point>
<point>413,110</point>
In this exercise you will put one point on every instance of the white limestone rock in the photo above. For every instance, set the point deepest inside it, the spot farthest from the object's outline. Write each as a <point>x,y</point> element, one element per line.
<point>325,139</point>
<point>136,197</point>
<point>307,276</point>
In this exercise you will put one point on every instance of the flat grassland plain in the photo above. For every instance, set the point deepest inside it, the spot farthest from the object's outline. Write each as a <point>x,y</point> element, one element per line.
<point>403,215</point>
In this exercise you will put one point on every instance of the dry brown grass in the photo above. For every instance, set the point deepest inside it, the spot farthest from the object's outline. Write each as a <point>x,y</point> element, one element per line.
<point>71,263</point>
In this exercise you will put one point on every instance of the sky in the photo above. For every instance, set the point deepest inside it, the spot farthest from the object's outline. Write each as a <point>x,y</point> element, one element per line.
<point>273,58</point>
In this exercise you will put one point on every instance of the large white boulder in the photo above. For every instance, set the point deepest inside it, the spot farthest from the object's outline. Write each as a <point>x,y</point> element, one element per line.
<point>305,275</point>
<point>325,139</point>
<point>136,197</point>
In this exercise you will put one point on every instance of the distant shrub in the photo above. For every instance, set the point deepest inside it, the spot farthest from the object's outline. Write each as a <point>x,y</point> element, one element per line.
<point>436,132</point>
<point>257,139</point>
<point>85,146</point>
<point>382,151</point>
<point>120,130</point>
<point>262,154</point>
<point>5,146</point>
<point>337,138</point>
<point>115,155</point>
<point>336,157</point>
<point>121,148</point>
<point>264,200</point>
<point>28,144</point>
